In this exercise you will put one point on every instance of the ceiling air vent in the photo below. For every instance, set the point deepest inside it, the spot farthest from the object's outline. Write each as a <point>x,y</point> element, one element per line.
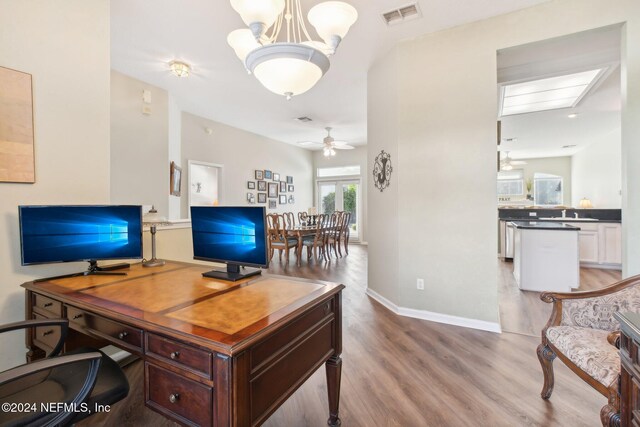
<point>304,119</point>
<point>402,14</point>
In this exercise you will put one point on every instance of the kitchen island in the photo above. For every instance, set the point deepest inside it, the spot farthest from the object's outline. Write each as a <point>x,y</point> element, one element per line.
<point>546,256</point>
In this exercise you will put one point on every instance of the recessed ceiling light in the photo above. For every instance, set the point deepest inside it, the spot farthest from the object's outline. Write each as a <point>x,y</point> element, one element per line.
<point>180,69</point>
<point>547,94</point>
<point>572,115</point>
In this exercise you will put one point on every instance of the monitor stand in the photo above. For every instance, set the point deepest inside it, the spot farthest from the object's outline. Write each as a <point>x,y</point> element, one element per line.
<point>92,270</point>
<point>232,273</point>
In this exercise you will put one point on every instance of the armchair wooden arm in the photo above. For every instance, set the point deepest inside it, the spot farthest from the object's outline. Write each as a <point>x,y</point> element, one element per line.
<point>614,339</point>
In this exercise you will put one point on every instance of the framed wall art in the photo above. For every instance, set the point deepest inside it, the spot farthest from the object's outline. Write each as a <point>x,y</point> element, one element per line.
<point>273,190</point>
<point>251,185</point>
<point>17,162</point>
<point>262,185</point>
<point>259,174</point>
<point>262,197</point>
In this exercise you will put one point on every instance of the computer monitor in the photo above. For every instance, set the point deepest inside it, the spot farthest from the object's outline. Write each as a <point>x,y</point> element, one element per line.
<point>233,235</point>
<point>52,234</point>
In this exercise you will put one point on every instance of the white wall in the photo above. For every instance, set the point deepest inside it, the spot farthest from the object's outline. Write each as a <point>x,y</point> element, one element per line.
<point>596,173</point>
<point>139,144</point>
<point>65,46</point>
<point>241,153</point>
<point>358,156</point>
<point>444,119</point>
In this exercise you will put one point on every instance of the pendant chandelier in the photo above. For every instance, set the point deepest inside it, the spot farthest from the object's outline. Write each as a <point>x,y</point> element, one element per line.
<point>291,63</point>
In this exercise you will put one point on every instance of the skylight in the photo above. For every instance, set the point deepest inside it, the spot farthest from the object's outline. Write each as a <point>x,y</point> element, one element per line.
<point>547,94</point>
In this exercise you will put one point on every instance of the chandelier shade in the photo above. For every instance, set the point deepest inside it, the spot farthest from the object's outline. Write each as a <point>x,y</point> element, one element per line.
<point>332,20</point>
<point>287,68</point>
<point>242,42</point>
<point>264,12</point>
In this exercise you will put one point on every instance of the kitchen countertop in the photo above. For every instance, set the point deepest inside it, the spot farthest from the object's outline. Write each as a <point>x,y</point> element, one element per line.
<point>533,218</point>
<point>544,225</point>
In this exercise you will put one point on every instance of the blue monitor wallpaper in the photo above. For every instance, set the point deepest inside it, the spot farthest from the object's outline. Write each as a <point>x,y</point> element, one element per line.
<point>80,233</point>
<point>229,234</point>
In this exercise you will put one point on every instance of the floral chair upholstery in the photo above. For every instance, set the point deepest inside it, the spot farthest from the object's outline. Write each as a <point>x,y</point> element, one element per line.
<point>583,333</point>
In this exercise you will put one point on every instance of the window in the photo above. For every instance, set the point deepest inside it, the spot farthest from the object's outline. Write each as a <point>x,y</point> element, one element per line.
<point>547,189</point>
<point>511,183</point>
<point>338,171</point>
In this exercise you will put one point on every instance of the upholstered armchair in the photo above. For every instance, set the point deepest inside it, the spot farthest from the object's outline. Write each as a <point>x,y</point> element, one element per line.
<point>583,333</point>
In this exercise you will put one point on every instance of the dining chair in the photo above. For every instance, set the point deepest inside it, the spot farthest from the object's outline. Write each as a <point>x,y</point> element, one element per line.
<point>289,219</point>
<point>278,238</point>
<point>81,378</point>
<point>346,232</point>
<point>315,242</point>
<point>333,233</point>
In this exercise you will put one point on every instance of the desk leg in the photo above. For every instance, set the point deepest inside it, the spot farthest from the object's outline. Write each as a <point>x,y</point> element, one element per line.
<point>334,370</point>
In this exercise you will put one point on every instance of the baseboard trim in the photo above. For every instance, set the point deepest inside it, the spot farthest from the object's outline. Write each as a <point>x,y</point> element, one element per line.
<point>602,266</point>
<point>431,316</point>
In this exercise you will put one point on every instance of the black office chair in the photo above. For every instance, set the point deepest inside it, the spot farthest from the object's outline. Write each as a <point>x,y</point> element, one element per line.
<point>59,390</point>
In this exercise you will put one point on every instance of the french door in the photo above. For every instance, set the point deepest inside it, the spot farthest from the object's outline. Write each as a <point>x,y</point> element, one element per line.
<point>343,195</point>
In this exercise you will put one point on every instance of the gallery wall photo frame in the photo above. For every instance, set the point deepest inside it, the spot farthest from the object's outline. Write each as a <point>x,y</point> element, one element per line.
<point>17,164</point>
<point>290,188</point>
<point>283,187</point>
<point>283,199</point>
<point>175,179</point>
<point>273,190</point>
<point>276,177</point>
<point>262,197</point>
<point>251,185</point>
<point>262,185</point>
<point>267,174</point>
<point>259,174</point>
<point>272,204</point>
<point>289,179</point>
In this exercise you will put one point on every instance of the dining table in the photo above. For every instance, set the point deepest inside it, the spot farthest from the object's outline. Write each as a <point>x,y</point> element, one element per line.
<point>300,231</point>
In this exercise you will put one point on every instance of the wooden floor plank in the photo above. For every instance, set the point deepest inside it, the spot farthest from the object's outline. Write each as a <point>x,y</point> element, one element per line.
<point>404,372</point>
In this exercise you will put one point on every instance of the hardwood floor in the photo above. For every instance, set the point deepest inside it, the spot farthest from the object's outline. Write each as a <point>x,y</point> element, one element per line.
<point>407,372</point>
<point>522,312</point>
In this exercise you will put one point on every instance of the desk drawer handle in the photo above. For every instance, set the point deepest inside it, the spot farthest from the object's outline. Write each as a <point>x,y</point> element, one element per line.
<point>327,308</point>
<point>48,304</point>
<point>49,332</point>
<point>77,316</point>
<point>173,398</point>
<point>123,335</point>
<point>174,355</point>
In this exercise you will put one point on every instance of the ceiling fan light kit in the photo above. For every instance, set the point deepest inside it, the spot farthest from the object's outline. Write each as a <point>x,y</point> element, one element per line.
<point>292,64</point>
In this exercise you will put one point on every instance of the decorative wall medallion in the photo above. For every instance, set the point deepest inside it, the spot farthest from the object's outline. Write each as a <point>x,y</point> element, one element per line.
<point>382,170</point>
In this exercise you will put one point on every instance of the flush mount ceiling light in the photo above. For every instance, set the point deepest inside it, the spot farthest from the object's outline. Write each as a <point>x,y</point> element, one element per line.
<point>547,94</point>
<point>293,63</point>
<point>180,69</point>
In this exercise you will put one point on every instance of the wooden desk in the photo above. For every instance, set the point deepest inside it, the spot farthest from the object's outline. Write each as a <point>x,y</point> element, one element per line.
<point>215,353</point>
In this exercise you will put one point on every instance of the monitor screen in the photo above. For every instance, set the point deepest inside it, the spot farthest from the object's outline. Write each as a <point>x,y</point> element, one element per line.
<point>79,233</point>
<point>231,234</point>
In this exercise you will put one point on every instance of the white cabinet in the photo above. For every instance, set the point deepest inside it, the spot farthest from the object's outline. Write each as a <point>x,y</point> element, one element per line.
<point>610,243</point>
<point>601,244</point>
<point>589,244</point>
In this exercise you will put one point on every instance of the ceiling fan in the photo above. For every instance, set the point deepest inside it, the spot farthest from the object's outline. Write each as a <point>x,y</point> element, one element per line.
<point>328,144</point>
<point>508,163</point>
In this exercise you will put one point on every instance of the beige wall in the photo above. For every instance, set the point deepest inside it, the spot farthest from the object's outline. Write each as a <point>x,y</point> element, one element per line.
<point>596,173</point>
<point>139,142</point>
<point>444,115</point>
<point>358,157</point>
<point>241,153</point>
<point>65,46</point>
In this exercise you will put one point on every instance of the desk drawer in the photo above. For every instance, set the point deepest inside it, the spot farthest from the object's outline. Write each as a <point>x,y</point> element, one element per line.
<point>46,337</point>
<point>181,355</point>
<point>182,399</point>
<point>46,306</point>
<point>118,333</point>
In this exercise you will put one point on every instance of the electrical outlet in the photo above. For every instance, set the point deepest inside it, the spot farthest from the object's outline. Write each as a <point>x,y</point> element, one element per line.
<point>420,284</point>
<point>533,213</point>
